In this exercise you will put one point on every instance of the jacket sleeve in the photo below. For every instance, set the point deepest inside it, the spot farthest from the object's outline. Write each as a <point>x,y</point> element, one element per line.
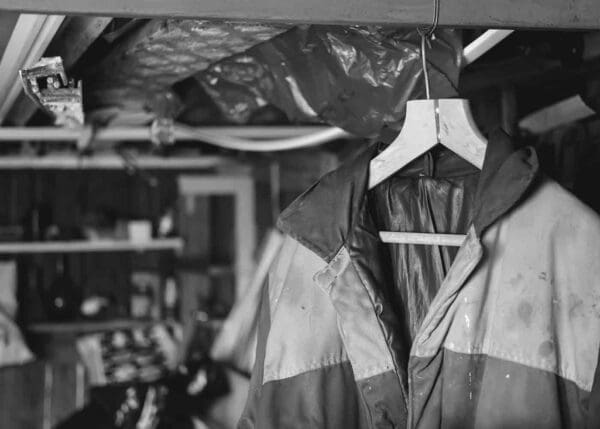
<point>301,376</point>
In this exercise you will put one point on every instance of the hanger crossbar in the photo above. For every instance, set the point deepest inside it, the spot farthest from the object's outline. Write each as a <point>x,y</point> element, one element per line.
<point>391,237</point>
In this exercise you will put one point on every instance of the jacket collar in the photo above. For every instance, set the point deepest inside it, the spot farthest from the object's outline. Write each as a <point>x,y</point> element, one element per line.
<point>324,216</point>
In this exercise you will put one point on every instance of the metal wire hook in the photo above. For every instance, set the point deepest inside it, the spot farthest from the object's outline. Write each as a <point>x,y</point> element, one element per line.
<point>428,31</point>
<point>426,34</point>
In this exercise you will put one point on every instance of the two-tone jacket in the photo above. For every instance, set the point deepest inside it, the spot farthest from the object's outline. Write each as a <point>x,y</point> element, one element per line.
<point>503,332</point>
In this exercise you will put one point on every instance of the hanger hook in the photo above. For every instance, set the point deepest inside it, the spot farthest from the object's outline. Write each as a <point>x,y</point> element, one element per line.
<point>426,34</point>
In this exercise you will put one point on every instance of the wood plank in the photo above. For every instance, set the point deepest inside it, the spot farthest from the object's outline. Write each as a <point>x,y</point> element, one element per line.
<point>555,14</point>
<point>245,235</point>
<point>70,43</point>
<point>7,25</point>
<point>422,238</point>
<point>111,162</point>
<point>236,341</point>
<point>30,38</point>
<point>483,44</point>
<point>15,53</point>
<point>91,246</point>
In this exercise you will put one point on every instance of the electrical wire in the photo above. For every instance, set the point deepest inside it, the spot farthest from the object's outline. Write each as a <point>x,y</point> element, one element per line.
<point>181,132</point>
<point>234,143</point>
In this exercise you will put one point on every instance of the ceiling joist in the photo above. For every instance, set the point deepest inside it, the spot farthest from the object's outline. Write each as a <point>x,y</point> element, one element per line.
<point>70,43</point>
<point>554,14</point>
<point>30,38</point>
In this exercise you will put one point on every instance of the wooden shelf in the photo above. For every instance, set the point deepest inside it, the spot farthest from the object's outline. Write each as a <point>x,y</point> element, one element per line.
<point>110,162</point>
<point>87,327</point>
<point>92,246</point>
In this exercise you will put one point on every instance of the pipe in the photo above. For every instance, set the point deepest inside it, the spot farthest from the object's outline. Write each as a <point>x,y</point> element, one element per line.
<point>235,143</point>
<point>213,136</point>
<point>143,133</point>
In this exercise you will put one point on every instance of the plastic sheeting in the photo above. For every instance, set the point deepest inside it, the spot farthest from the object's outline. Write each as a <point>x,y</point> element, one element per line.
<point>356,78</point>
<point>120,88</point>
<point>165,50</point>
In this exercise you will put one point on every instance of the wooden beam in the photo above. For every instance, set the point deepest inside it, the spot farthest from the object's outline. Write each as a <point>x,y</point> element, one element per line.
<point>30,38</point>
<point>554,14</point>
<point>483,44</point>
<point>70,43</point>
<point>24,33</point>
<point>236,341</point>
<point>7,24</point>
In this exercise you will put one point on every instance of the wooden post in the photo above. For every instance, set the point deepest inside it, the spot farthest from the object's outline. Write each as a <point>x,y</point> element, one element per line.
<point>241,187</point>
<point>194,192</point>
<point>194,223</point>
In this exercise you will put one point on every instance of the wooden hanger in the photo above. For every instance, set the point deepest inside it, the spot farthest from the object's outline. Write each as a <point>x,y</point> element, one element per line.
<point>427,123</point>
<point>453,128</point>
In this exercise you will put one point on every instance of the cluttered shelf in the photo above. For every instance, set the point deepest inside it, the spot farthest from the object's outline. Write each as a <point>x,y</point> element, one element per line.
<point>91,246</point>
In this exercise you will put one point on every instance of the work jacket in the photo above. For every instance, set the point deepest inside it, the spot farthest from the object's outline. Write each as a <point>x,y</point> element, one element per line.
<point>503,332</point>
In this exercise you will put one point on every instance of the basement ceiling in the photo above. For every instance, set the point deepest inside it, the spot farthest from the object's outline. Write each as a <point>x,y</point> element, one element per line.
<point>128,66</point>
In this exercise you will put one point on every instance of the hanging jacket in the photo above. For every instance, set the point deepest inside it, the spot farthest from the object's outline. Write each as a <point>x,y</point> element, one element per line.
<point>502,332</point>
